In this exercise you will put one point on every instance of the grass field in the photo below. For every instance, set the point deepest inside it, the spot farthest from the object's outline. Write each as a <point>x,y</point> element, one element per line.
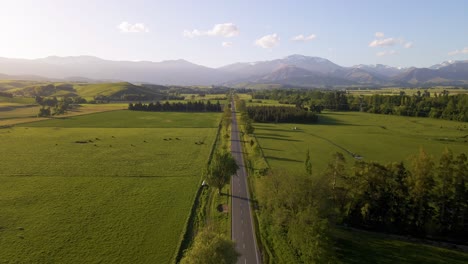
<point>408,91</point>
<point>11,110</point>
<point>355,246</point>
<point>12,113</point>
<point>381,138</point>
<point>100,188</point>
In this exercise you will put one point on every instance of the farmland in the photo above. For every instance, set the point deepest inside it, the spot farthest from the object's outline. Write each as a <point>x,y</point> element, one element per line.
<point>381,138</point>
<point>369,137</point>
<point>106,187</point>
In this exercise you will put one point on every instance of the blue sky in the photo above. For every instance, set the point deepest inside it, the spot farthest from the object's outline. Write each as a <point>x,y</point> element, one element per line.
<point>216,33</point>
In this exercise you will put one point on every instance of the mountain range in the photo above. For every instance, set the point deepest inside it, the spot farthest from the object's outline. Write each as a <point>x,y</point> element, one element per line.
<point>294,70</point>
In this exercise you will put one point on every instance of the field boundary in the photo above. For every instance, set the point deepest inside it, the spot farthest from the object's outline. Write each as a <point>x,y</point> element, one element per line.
<point>261,150</point>
<point>188,231</point>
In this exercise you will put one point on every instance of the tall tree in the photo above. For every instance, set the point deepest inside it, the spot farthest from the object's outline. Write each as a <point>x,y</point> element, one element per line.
<point>421,184</point>
<point>444,189</point>
<point>221,168</point>
<point>308,163</point>
<point>211,248</point>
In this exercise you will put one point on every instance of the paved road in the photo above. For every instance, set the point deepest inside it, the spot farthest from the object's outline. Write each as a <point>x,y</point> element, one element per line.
<point>242,223</point>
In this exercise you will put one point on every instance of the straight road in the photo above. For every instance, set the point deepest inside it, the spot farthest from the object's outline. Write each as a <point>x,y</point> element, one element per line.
<point>242,223</point>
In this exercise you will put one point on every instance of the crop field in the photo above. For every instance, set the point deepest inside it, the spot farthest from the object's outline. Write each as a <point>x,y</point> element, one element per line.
<point>372,137</point>
<point>100,188</point>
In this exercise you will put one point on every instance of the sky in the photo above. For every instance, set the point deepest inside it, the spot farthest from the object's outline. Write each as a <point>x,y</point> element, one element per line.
<point>217,33</point>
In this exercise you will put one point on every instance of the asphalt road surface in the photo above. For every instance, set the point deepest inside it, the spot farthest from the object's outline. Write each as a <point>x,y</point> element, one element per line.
<point>242,223</point>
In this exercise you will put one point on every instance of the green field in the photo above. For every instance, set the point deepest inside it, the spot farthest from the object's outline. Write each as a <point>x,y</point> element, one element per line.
<point>100,188</point>
<point>381,138</point>
<point>373,137</point>
<point>8,110</point>
<point>353,246</point>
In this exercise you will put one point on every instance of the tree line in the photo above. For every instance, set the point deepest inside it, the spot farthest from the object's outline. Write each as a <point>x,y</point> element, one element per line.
<point>280,114</point>
<point>198,106</point>
<point>4,94</point>
<point>422,104</point>
<point>427,200</point>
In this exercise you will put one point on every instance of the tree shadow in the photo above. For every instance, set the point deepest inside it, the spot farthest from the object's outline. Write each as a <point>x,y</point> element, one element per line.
<point>273,129</point>
<point>285,139</point>
<point>272,149</point>
<point>282,159</point>
<point>252,201</point>
<point>327,119</point>
<point>271,135</point>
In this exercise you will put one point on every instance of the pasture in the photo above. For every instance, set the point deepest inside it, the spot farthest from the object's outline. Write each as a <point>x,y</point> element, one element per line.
<point>372,137</point>
<point>354,246</point>
<point>100,188</point>
<point>14,113</point>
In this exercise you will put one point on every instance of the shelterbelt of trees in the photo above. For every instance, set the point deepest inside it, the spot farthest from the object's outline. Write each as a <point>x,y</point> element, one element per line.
<point>422,104</point>
<point>280,114</point>
<point>198,106</point>
<point>427,200</point>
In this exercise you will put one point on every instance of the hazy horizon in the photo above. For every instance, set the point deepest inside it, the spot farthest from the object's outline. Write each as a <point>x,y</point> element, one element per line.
<point>214,34</point>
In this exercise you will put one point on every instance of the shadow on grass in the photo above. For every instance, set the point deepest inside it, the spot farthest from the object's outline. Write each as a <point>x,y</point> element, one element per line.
<point>272,129</point>
<point>329,120</point>
<point>284,139</point>
<point>353,246</point>
<point>271,135</point>
<point>282,159</point>
<point>272,149</point>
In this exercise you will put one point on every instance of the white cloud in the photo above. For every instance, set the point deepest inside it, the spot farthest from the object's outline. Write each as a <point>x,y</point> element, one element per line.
<point>126,27</point>
<point>455,52</point>
<point>268,41</point>
<point>304,38</point>
<point>408,45</point>
<point>226,30</point>
<point>384,42</point>
<point>386,53</point>
<point>379,34</point>
<point>226,44</point>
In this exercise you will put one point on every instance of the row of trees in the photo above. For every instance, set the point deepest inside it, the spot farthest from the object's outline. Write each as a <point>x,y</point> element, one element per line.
<point>280,114</point>
<point>4,94</point>
<point>443,106</point>
<point>246,121</point>
<point>423,104</point>
<point>199,106</point>
<point>293,216</point>
<point>428,199</point>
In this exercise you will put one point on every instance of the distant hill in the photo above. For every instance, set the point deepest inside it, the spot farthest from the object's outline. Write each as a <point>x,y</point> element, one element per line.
<point>294,70</point>
<point>453,73</point>
<point>110,90</point>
